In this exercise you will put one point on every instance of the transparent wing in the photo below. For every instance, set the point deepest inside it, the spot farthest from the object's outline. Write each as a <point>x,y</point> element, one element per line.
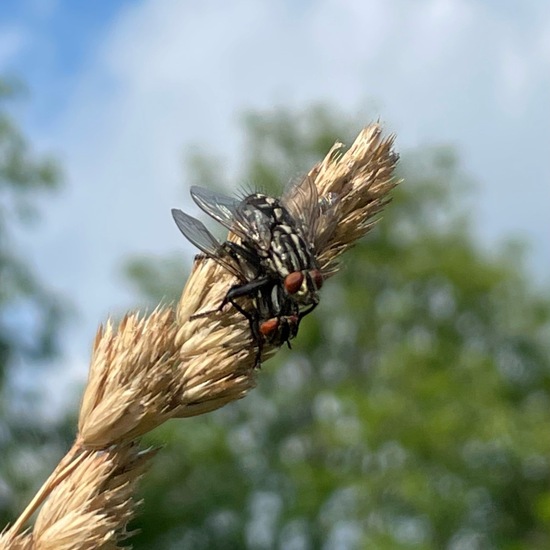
<point>196,233</point>
<point>302,201</point>
<point>217,205</point>
<point>238,216</point>
<point>315,215</point>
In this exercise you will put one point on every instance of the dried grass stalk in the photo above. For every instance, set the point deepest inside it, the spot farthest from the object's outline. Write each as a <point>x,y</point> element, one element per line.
<point>23,541</point>
<point>363,177</point>
<point>167,365</point>
<point>90,501</point>
<point>93,505</point>
<point>140,377</point>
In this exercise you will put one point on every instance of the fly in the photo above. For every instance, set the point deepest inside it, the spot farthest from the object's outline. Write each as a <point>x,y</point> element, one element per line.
<point>284,233</point>
<point>275,260</point>
<point>273,319</point>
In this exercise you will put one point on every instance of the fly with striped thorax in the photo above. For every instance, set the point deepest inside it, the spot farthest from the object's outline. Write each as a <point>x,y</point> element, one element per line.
<point>275,261</point>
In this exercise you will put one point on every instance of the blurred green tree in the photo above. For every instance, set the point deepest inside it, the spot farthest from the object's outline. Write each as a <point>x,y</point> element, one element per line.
<point>30,315</point>
<point>413,410</point>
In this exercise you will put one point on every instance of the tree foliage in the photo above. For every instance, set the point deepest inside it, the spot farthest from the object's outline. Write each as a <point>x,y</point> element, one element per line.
<point>30,315</point>
<point>411,413</point>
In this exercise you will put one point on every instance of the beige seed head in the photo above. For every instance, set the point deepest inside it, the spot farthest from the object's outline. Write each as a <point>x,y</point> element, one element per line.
<point>91,507</point>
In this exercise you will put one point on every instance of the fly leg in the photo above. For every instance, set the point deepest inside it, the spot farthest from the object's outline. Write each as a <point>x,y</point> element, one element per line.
<point>236,291</point>
<point>257,338</point>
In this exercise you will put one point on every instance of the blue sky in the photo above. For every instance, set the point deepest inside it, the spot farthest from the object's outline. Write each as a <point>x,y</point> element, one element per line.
<point>118,89</point>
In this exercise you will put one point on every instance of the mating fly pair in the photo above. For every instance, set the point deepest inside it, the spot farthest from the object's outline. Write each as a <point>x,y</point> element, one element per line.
<point>275,261</point>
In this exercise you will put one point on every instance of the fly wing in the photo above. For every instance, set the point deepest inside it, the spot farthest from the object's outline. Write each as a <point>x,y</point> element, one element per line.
<point>301,200</point>
<point>239,216</point>
<point>217,205</point>
<point>196,233</point>
<point>315,215</point>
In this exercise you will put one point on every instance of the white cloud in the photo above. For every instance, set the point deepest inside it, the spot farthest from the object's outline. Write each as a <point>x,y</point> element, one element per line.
<point>522,63</point>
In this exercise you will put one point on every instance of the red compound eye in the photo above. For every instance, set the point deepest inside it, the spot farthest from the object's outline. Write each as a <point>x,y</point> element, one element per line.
<point>317,278</point>
<point>269,326</point>
<point>293,282</point>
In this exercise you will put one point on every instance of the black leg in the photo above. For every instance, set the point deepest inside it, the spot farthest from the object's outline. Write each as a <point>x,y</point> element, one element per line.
<point>256,336</point>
